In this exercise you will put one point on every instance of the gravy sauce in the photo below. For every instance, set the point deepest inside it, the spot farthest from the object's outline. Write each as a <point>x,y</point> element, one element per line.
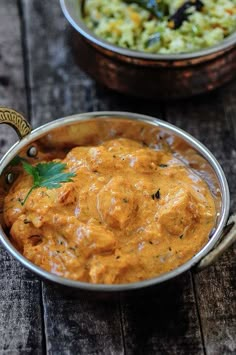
<point>131,213</point>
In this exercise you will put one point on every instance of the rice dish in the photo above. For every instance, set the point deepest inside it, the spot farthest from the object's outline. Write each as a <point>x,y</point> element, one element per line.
<point>129,25</point>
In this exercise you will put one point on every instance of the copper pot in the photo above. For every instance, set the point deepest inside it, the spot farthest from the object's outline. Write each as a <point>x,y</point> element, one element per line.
<point>156,76</point>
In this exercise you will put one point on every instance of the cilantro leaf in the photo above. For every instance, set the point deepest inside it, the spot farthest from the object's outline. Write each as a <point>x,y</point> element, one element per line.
<point>50,175</point>
<point>30,169</point>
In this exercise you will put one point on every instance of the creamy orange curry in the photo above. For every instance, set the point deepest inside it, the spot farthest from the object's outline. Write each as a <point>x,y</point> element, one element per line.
<point>130,213</point>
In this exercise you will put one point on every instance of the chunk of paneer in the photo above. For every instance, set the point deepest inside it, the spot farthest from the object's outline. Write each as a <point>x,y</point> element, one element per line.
<point>95,239</point>
<point>100,159</point>
<point>144,160</point>
<point>116,203</point>
<point>178,213</point>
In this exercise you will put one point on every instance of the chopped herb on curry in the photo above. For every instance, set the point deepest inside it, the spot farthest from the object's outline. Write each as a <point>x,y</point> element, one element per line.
<point>50,175</point>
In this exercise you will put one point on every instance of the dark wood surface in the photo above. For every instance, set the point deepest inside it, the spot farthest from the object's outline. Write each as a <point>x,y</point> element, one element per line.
<point>194,314</point>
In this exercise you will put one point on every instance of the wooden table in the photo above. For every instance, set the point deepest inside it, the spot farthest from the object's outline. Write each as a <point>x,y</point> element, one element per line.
<point>196,314</point>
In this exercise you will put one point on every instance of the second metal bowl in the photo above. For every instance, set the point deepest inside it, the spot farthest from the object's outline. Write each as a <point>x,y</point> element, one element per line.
<point>156,76</point>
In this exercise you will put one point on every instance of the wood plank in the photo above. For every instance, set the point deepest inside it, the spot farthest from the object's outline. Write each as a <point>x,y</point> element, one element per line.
<point>209,118</point>
<point>218,306</point>
<point>78,324</point>
<point>216,297</point>
<point>52,102</point>
<point>52,56</point>
<point>12,84</point>
<point>162,320</point>
<point>20,311</point>
<point>228,97</point>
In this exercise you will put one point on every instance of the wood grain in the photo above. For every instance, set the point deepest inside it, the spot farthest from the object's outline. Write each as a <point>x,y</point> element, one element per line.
<point>20,311</point>
<point>162,320</point>
<point>216,286</point>
<point>12,84</point>
<point>78,324</point>
<point>52,54</point>
<point>210,119</point>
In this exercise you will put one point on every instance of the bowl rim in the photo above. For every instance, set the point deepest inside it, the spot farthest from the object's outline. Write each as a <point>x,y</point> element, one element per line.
<point>198,146</point>
<point>79,26</point>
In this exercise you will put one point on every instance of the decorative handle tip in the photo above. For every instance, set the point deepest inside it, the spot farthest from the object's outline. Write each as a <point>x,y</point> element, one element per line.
<point>16,120</point>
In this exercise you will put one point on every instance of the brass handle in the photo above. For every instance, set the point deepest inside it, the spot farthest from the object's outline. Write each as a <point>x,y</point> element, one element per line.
<point>227,239</point>
<point>16,120</point>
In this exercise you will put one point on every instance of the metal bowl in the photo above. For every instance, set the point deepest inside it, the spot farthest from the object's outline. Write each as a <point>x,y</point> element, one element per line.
<point>77,130</point>
<point>147,75</point>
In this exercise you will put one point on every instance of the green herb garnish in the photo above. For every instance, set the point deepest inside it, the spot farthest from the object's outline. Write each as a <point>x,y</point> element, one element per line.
<point>50,175</point>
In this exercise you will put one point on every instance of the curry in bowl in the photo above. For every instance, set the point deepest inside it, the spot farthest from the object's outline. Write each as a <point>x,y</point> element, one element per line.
<point>123,203</point>
<point>165,27</point>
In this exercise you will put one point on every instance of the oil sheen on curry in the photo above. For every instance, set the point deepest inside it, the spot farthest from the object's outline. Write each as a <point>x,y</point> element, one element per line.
<point>131,213</point>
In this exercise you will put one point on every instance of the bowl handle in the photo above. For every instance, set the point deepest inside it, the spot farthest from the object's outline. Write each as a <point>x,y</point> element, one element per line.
<point>16,120</point>
<point>228,237</point>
